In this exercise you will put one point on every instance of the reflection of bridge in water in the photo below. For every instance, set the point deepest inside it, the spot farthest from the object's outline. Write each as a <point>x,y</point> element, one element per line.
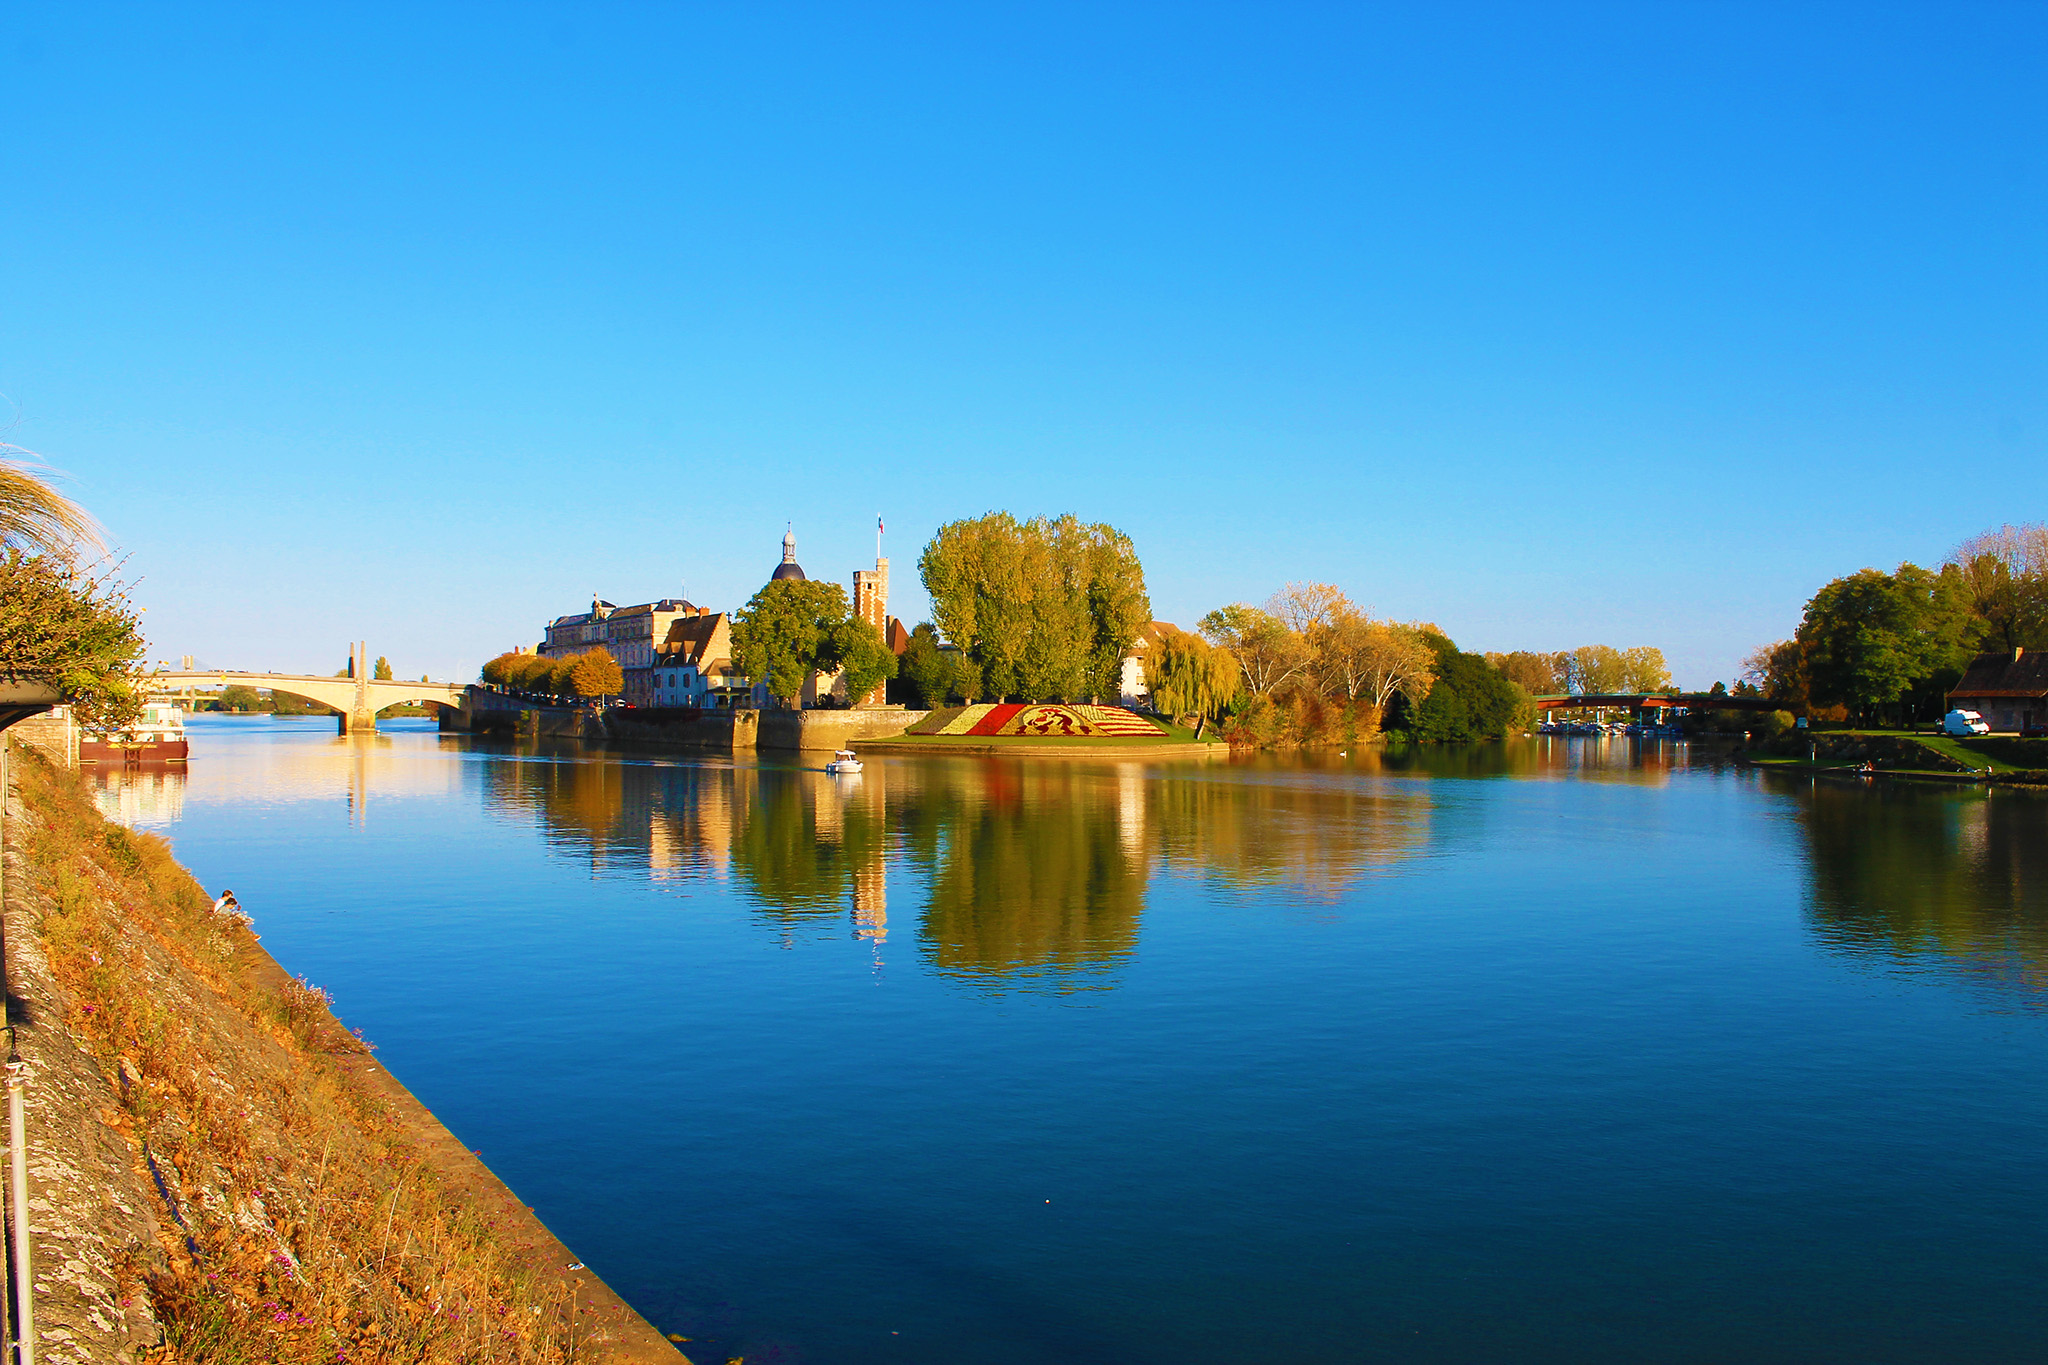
<point>356,698</point>
<point>1643,702</point>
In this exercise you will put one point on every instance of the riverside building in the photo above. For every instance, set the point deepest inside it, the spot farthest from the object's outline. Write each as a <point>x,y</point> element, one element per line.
<point>631,635</point>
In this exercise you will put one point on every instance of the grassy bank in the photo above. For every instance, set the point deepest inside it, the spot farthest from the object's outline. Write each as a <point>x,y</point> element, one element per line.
<point>301,1212</point>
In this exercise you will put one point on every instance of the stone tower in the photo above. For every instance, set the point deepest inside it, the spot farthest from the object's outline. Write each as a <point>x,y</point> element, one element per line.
<point>871,604</point>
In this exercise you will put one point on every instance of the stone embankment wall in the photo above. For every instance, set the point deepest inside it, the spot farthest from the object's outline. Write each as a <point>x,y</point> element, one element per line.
<point>218,1170</point>
<point>681,728</point>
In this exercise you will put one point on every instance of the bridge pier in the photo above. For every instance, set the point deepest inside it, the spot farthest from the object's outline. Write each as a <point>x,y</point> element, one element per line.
<point>357,722</point>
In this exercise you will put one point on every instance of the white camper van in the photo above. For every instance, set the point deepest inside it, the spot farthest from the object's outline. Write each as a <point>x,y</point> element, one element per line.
<point>1964,723</point>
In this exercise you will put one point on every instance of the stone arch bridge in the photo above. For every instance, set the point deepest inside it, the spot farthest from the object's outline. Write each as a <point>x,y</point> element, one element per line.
<point>358,699</point>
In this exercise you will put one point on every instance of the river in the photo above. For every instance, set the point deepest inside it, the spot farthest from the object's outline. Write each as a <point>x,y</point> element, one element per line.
<point>1555,1051</point>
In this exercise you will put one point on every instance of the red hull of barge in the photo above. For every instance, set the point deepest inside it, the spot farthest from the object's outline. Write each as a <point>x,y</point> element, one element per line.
<point>96,749</point>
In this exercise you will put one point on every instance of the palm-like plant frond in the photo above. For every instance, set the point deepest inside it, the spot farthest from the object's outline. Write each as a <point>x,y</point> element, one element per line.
<point>33,514</point>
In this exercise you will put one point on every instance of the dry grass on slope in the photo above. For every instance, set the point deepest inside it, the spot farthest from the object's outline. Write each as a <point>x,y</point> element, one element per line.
<point>298,1220</point>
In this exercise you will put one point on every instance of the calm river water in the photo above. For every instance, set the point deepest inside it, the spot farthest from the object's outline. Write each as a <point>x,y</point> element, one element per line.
<point>1546,1052</point>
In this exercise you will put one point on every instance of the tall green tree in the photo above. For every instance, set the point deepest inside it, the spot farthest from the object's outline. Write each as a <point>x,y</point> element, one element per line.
<point>927,671</point>
<point>1886,642</point>
<point>1470,699</point>
<point>861,655</point>
<point>1046,609</point>
<point>382,672</point>
<point>788,631</point>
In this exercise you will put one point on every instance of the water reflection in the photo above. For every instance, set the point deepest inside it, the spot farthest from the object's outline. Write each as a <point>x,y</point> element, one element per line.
<point>1025,875</point>
<point>1016,875</point>
<point>1922,875</point>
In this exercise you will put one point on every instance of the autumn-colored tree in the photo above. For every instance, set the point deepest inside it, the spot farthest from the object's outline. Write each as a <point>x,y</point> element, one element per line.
<point>1643,670</point>
<point>529,673</point>
<point>1539,674</point>
<point>595,673</point>
<point>1305,607</point>
<point>556,682</point>
<point>1387,659</point>
<point>382,671</point>
<point>2005,578</point>
<point>1269,654</point>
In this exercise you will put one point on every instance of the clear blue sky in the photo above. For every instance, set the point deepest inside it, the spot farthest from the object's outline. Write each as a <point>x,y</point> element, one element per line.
<point>1550,324</point>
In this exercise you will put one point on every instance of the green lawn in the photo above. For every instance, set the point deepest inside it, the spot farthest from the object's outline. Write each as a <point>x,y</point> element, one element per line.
<point>1944,745</point>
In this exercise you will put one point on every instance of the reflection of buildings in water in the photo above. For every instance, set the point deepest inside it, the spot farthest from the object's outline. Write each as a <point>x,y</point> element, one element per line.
<point>140,797</point>
<point>1130,808</point>
<point>1932,876</point>
<point>871,900</point>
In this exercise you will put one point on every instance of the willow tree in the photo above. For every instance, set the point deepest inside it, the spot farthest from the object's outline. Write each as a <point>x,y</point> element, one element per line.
<point>1186,675</point>
<point>1045,609</point>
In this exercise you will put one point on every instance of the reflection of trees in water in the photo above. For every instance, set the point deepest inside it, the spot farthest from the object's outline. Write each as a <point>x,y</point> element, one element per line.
<point>1608,759</point>
<point>580,803</point>
<point>1033,873</point>
<point>1033,880</point>
<point>1918,874</point>
<point>1317,837</point>
<point>803,842</point>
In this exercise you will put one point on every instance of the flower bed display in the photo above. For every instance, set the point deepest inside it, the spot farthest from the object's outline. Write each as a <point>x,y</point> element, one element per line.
<point>1014,720</point>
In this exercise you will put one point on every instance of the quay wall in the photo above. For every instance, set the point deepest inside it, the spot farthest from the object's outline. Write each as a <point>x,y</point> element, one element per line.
<point>680,728</point>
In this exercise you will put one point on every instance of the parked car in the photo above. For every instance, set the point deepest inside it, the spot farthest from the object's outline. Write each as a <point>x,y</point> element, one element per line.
<point>1961,722</point>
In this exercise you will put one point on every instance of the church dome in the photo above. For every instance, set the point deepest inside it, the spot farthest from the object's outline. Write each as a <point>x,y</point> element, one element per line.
<point>788,567</point>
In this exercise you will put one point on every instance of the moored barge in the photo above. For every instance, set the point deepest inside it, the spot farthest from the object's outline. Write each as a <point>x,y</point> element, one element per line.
<point>158,736</point>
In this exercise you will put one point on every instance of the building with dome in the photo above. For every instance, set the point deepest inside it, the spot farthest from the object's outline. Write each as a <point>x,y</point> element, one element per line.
<point>788,568</point>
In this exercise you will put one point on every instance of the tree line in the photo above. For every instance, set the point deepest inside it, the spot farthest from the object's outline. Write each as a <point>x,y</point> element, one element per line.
<point>587,676</point>
<point>1589,670</point>
<point>1876,646</point>
<point>1311,666</point>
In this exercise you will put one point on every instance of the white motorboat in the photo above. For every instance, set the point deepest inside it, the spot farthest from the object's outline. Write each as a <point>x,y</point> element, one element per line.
<point>844,763</point>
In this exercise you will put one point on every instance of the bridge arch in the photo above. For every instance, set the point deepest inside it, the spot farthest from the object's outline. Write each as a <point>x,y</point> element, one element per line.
<point>358,700</point>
